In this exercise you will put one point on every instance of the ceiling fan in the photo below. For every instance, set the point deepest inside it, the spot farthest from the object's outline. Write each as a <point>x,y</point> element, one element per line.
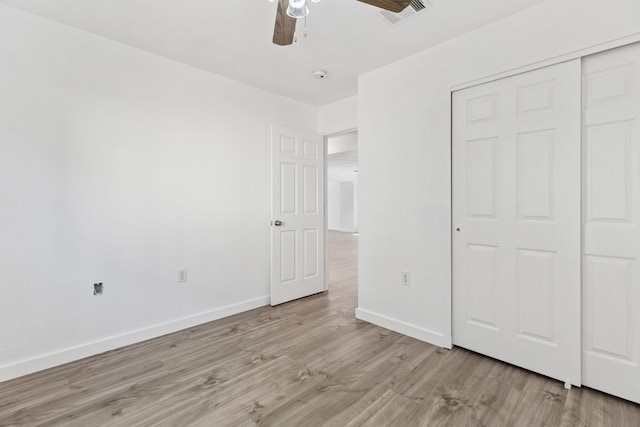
<point>290,10</point>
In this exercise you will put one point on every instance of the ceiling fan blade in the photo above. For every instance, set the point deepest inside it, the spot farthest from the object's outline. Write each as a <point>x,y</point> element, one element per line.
<point>395,6</point>
<point>285,26</point>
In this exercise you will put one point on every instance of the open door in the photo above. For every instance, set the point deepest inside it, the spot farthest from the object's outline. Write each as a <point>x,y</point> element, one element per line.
<point>297,215</point>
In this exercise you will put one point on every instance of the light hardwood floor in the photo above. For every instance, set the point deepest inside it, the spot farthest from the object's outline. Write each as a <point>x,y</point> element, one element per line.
<point>304,363</point>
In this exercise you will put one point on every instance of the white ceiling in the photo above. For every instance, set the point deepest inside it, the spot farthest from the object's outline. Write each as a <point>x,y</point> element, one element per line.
<point>233,37</point>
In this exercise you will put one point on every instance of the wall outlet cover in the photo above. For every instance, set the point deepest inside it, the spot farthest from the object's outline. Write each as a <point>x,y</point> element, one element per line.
<point>405,278</point>
<point>182,275</point>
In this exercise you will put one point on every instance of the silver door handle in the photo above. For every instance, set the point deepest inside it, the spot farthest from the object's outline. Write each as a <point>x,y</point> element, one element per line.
<point>277,223</point>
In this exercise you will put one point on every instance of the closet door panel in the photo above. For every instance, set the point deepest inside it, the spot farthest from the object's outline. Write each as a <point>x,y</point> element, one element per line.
<point>516,219</point>
<point>611,285</point>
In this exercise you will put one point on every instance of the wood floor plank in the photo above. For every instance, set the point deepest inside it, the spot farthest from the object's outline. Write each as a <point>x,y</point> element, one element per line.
<point>305,363</point>
<point>343,382</point>
<point>391,409</point>
<point>352,384</point>
<point>226,401</point>
<point>587,407</point>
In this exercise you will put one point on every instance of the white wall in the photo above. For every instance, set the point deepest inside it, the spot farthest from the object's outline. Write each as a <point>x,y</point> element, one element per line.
<point>339,116</point>
<point>342,202</point>
<point>404,141</point>
<point>121,167</point>
<point>342,143</point>
<point>333,205</point>
<point>347,207</point>
<point>342,206</point>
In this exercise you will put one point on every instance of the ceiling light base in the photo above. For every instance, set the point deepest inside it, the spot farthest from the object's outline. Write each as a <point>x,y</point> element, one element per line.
<point>319,74</point>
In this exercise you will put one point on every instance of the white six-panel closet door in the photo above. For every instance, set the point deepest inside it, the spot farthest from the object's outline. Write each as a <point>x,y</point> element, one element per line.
<point>611,284</point>
<point>516,220</point>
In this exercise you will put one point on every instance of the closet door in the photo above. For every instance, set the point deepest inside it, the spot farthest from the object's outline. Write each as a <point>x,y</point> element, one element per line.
<point>611,285</point>
<point>516,220</point>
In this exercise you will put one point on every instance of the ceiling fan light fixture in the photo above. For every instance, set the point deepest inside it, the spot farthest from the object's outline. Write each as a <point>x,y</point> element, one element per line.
<point>297,9</point>
<point>297,12</point>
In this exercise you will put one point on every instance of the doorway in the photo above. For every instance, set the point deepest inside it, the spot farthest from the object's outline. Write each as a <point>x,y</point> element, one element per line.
<point>342,210</point>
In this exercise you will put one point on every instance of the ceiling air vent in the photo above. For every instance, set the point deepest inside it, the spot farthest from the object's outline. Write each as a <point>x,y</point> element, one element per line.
<point>415,7</point>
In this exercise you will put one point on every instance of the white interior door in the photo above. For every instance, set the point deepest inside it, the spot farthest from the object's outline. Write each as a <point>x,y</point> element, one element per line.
<point>297,214</point>
<point>516,220</point>
<point>611,287</point>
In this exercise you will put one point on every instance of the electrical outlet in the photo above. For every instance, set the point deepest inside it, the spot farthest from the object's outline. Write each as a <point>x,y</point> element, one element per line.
<point>405,278</point>
<point>97,288</point>
<point>182,275</point>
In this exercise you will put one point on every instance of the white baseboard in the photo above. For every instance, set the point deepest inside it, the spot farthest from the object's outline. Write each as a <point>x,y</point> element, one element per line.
<point>46,361</point>
<point>399,326</point>
<point>348,230</point>
<point>343,230</point>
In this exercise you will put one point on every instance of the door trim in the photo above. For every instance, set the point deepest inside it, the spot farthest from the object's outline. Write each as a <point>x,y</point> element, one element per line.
<point>530,66</point>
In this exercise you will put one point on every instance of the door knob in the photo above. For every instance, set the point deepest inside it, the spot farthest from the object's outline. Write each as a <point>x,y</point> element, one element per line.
<point>277,223</point>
